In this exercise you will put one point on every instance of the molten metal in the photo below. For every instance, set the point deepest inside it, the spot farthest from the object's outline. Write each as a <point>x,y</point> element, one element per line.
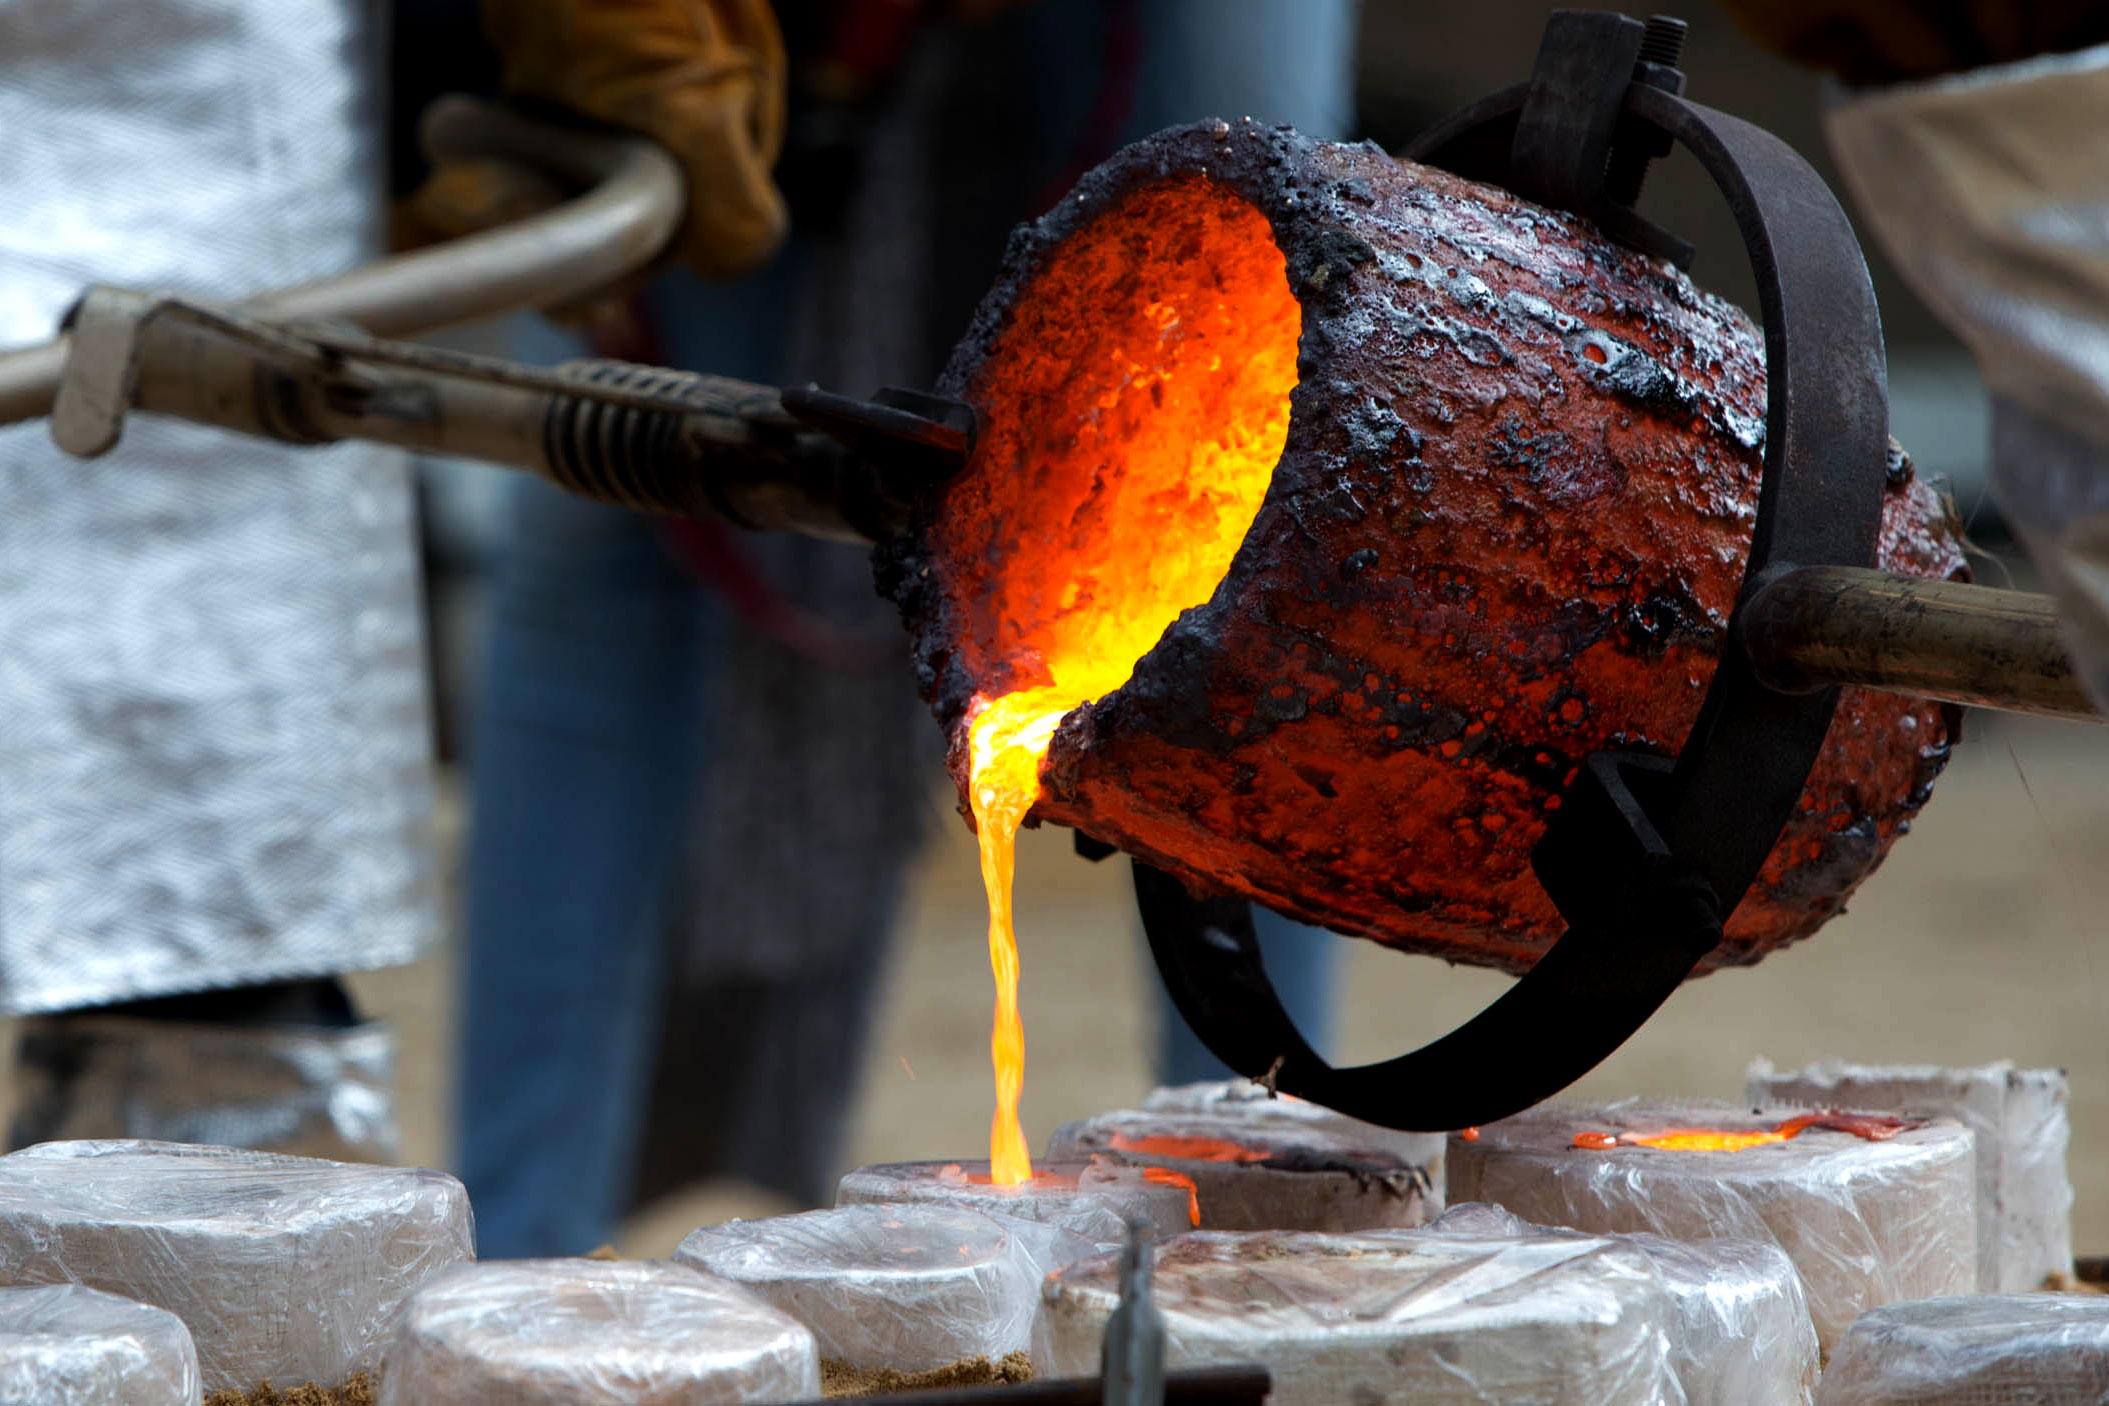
<point>1873,1127</point>
<point>1193,1149</point>
<point>1157,1176</point>
<point>1165,1176</point>
<point>1151,434</point>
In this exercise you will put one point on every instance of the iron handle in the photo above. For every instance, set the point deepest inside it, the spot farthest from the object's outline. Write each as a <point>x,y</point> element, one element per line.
<point>1191,1386</point>
<point>1814,626</point>
<point>642,437</point>
<point>634,201</point>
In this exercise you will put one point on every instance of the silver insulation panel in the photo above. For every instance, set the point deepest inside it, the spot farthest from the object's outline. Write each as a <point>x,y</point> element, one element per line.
<point>214,756</point>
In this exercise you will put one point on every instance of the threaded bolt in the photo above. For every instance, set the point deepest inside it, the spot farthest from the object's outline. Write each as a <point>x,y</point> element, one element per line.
<point>1663,40</point>
<point>1661,43</point>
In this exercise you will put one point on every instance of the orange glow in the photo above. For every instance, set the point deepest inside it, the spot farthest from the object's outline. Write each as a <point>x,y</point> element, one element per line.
<point>1469,1134</point>
<point>1165,1176</point>
<point>1142,390</point>
<point>1713,1139</point>
<point>1873,1127</point>
<point>1044,1180</point>
<point>1008,740</point>
<point>1193,1149</point>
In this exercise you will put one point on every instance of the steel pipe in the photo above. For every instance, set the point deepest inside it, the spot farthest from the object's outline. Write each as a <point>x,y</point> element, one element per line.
<point>1191,1386</point>
<point>634,201</point>
<point>1975,645</point>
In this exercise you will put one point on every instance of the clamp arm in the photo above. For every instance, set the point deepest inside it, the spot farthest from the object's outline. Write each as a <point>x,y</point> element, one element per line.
<point>1647,857</point>
<point>799,460</point>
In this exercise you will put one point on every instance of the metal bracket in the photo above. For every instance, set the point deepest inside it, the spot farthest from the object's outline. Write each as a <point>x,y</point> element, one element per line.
<point>1131,1355</point>
<point>1567,137</point>
<point>1649,857</point>
<point>101,376</point>
<point>896,425</point>
<point>909,440</point>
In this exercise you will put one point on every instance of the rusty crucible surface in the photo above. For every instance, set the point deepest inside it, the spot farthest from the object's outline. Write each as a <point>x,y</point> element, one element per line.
<point>1505,530</point>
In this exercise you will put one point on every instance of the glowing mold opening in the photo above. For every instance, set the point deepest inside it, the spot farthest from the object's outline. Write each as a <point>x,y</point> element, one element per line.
<point>1134,407</point>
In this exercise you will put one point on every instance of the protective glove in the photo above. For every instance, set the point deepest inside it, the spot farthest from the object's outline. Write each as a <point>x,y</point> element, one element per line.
<point>1869,42</point>
<point>705,78</point>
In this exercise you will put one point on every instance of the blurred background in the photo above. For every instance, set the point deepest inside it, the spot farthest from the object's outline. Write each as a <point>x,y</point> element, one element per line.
<point>1980,939</point>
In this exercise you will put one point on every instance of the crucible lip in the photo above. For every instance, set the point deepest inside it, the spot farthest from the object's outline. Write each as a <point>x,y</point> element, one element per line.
<point>1248,161</point>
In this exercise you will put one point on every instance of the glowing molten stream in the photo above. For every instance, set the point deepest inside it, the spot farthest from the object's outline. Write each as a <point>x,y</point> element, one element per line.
<point>1874,1127</point>
<point>1138,402</point>
<point>1007,741</point>
<point>1165,1176</point>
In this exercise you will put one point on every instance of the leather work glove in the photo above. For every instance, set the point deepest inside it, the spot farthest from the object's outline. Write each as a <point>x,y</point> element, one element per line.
<point>1988,190</point>
<point>1868,42</point>
<point>705,78</point>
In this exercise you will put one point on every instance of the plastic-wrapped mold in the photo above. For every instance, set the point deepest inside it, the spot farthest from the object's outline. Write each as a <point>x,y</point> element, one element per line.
<point>2024,1195</point>
<point>1865,1222</point>
<point>1252,1099</point>
<point>1974,1350</point>
<point>1738,1325</point>
<point>1253,1172</point>
<point>1092,1199</point>
<point>64,1345</point>
<point>286,1268</point>
<point>1389,1316</point>
<point>593,1333</point>
<point>911,1287</point>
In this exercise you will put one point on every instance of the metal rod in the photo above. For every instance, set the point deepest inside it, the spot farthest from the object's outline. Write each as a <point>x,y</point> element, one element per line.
<point>1987,648</point>
<point>1195,1386</point>
<point>640,436</point>
<point>634,202</point>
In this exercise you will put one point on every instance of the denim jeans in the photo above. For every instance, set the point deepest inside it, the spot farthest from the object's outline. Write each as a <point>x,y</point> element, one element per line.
<point>586,744</point>
<point>588,735</point>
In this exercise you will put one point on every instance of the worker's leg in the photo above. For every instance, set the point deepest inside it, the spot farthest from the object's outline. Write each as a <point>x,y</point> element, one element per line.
<point>810,807</point>
<point>1262,59</point>
<point>581,769</point>
<point>283,1066</point>
<point>584,759</point>
<point>758,1077</point>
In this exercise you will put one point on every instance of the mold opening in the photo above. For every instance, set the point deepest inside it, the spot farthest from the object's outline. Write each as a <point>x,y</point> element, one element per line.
<point>1135,403</point>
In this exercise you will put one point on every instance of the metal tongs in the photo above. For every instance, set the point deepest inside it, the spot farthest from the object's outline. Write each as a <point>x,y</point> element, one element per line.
<point>315,364</point>
<point>1131,1360</point>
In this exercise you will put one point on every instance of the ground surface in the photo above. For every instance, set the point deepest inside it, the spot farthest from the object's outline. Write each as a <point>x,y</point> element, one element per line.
<point>1986,936</point>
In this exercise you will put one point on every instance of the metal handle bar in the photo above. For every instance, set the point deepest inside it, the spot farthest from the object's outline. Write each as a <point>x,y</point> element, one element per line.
<point>633,204</point>
<point>1815,626</point>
